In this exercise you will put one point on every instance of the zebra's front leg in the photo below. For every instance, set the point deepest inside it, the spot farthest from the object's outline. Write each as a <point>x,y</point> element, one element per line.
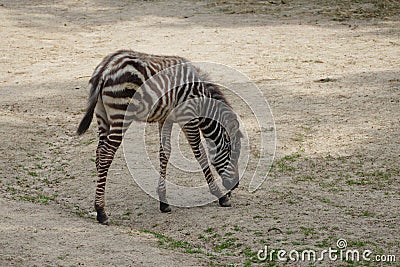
<point>104,155</point>
<point>165,129</point>
<point>193,136</point>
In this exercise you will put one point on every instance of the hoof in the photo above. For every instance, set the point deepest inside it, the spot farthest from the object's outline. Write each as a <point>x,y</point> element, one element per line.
<point>102,217</point>
<point>224,201</point>
<point>164,207</point>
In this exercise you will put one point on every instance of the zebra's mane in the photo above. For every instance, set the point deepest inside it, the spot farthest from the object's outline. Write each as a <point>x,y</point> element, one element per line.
<point>215,92</point>
<point>213,88</point>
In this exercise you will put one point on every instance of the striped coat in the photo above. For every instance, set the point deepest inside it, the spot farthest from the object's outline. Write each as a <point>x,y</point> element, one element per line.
<point>131,86</point>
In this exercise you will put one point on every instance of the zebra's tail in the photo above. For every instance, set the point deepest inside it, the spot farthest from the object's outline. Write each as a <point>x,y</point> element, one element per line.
<point>95,89</point>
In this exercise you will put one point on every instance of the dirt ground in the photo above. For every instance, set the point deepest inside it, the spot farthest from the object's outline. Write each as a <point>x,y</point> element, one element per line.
<point>329,70</point>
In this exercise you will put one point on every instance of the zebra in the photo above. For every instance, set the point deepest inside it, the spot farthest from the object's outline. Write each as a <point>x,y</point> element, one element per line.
<point>126,87</point>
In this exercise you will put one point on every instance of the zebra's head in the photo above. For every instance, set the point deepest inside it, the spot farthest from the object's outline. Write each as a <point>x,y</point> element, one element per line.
<point>226,152</point>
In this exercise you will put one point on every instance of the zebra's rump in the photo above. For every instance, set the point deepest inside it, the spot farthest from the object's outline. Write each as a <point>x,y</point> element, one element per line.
<point>127,66</point>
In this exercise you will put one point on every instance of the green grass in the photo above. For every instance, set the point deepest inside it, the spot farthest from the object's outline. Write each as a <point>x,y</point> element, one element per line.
<point>236,228</point>
<point>324,243</point>
<point>88,142</point>
<point>170,243</point>
<point>39,198</point>
<point>39,166</point>
<point>307,230</point>
<point>367,214</point>
<point>209,230</point>
<point>250,254</point>
<point>304,178</point>
<point>218,244</point>
<point>79,213</point>
<point>193,251</point>
<point>357,182</point>
<point>228,234</point>
<point>357,244</point>
<point>285,164</point>
<point>258,233</point>
<point>325,200</point>
<point>11,189</point>
<point>227,243</point>
<point>33,173</point>
<point>204,238</point>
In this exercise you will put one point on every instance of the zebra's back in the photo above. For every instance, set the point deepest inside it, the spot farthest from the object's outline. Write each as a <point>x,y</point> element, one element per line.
<point>154,82</point>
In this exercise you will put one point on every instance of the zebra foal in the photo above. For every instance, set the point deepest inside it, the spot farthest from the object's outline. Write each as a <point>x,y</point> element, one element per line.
<point>131,86</point>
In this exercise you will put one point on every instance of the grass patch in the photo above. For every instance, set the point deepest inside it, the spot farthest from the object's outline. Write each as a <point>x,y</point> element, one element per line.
<point>285,164</point>
<point>209,230</point>
<point>250,255</point>
<point>357,182</point>
<point>325,200</point>
<point>228,243</point>
<point>170,243</point>
<point>236,228</point>
<point>79,213</point>
<point>33,173</point>
<point>307,231</point>
<point>357,244</point>
<point>304,178</point>
<point>39,199</point>
<point>367,214</point>
<point>324,244</point>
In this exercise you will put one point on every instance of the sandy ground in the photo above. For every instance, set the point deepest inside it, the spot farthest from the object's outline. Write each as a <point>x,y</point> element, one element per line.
<point>49,236</point>
<point>330,75</point>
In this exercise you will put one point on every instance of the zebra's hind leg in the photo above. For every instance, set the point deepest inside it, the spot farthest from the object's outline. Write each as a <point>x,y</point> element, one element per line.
<point>192,133</point>
<point>101,215</point>
<point>105,152</point>
<point>164,129</point>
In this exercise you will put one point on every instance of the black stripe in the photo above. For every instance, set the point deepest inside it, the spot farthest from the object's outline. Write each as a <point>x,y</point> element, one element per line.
<point>118,124</point>
<point>125,93</point>
<point>117,106</point>
<point>141,69</point>
<point>127,77</point>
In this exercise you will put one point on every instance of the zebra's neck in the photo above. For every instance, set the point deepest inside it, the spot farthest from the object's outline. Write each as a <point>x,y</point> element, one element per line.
<point>215,116</point>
